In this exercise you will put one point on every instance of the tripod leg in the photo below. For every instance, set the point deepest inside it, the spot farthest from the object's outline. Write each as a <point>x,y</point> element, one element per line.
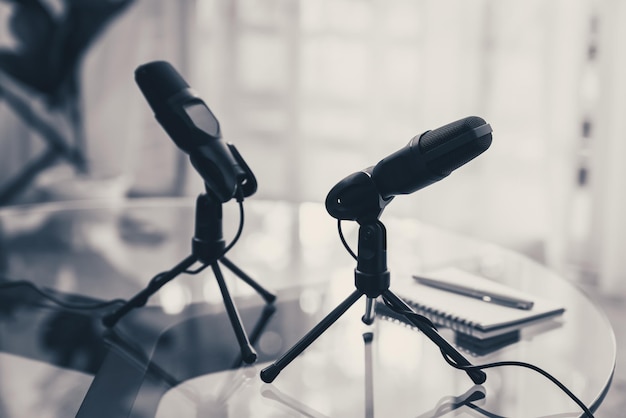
<point>141,298</point>
<point>248,354</point>
<point>262,322</point>
<point>477,376</point>
<point>269,373</point>
<point>266,295</point>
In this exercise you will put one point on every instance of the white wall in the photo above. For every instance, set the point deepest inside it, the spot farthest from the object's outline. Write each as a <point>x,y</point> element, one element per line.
<point>607,245</point>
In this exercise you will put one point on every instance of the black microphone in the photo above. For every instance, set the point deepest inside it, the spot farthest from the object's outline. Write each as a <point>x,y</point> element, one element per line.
<point>426,159</point>
<point>195,130</point>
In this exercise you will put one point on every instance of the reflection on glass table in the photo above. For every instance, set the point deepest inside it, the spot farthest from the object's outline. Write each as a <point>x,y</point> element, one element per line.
<point>178,355</point>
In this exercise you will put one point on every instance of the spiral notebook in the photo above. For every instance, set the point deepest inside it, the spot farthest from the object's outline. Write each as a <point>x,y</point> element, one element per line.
<point>467,315</point>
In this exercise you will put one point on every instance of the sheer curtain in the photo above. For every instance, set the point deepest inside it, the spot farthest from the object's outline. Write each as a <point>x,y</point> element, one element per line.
<point>313,91</point>
<point>125,140</point>
<point>127,152</point>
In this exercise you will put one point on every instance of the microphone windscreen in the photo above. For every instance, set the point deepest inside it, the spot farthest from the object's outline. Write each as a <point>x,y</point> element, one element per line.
<point>449,147</point>
<point>158,81</point>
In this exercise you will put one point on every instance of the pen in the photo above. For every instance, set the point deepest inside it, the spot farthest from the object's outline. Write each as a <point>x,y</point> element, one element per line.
<point>484,295</point>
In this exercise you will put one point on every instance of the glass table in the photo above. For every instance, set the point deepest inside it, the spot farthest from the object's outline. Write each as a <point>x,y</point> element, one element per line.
<point>178,355</point>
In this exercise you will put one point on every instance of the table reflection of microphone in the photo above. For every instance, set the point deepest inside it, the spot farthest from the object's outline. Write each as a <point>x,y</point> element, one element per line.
<point>369,377</point>
<point>448,404</point>
<point>272,392</point>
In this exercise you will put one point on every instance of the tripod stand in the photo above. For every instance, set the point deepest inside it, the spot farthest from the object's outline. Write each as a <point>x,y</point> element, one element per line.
<point>208,248</point>
<point>372,279</point>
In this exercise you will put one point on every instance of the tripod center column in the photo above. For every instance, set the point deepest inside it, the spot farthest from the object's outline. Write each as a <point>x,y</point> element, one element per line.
<point>371,276</point>
<point>208,241</point>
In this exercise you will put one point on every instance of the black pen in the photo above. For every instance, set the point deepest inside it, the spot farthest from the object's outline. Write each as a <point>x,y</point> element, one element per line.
<point>484,295</point>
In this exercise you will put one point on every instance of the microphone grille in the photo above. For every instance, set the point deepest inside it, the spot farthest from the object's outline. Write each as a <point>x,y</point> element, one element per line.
<point>459,150</point>
<point>158,81</point>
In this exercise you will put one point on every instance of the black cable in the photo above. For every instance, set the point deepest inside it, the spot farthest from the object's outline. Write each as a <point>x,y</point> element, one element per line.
<point>196,271</point>
<point>50,297</point>
<point>239,230</point>
<point>157,276</point>
<point>450,361</point>
<point>537,369</point>
<point>343,240</point>
<point>414,315</point>
<point>528,366</point>
<point>427,321</point>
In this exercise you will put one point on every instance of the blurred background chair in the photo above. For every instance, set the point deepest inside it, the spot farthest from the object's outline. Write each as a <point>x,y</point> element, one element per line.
<point>46,65</point>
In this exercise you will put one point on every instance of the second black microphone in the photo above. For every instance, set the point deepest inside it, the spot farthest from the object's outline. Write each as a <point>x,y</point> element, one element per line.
<point>426,159</point>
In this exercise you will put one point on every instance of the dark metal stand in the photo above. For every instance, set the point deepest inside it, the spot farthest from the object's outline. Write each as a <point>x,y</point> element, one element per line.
<point>372,279</point>
<point>207,248</point>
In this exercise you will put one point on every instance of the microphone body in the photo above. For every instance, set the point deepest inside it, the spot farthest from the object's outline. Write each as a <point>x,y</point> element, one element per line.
<point>194,129</point>
<point>426,159</point>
